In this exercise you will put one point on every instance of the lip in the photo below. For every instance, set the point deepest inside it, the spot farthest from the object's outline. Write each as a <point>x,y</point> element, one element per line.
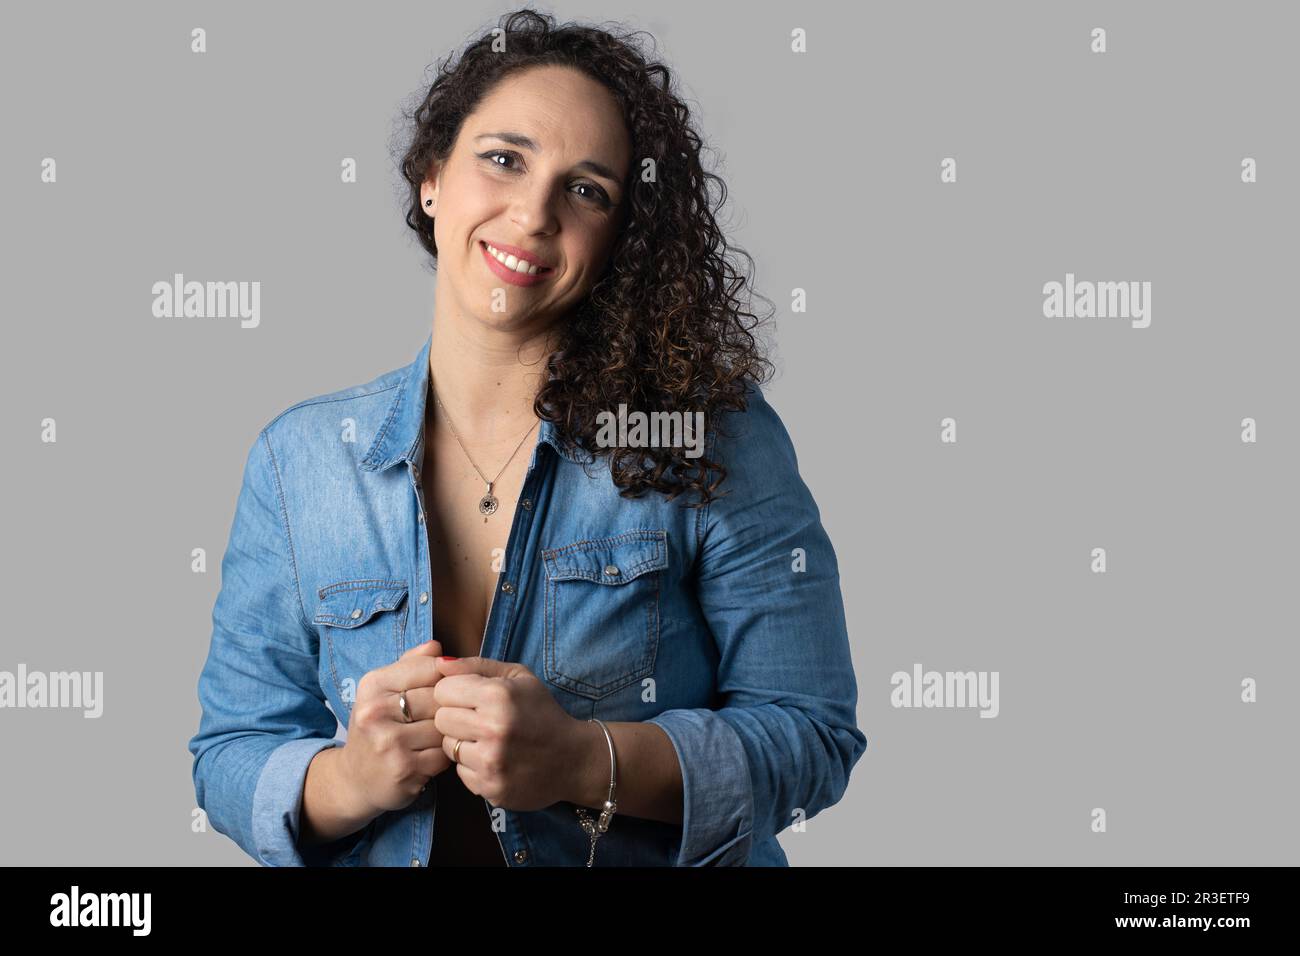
<point>510,275</point>
<point>518,253</point>
<point>530,257</point>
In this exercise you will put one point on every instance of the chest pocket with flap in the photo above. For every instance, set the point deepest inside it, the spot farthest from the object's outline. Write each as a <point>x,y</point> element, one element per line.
<point>602,611</point>
<point>362,626</point>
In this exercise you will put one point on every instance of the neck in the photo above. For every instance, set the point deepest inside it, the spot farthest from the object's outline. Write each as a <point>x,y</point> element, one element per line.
<point>487,378</point>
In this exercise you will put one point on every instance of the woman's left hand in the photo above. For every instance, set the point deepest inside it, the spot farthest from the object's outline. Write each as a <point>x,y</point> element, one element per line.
<point>521,750</point>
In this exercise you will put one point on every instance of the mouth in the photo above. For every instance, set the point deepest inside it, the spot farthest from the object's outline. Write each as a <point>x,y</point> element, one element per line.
<point>515,258</point>
<point>511,269</point>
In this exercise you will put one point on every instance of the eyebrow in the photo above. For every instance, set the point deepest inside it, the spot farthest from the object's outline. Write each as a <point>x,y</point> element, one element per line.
<point>518,139</point>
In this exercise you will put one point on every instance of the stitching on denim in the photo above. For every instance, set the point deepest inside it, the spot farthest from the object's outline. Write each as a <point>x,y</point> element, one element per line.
<point>288,532</point>
<point>701,514</point>
<point>305,403</point>
<point>653,632</point>
<point>627,574</point>
<point>639,534</point>
<point>656,561</point>
<point>382,434</point>
<point>399,629</point>
<point>360,584</point>
<point>547,657</point>
<point>334,673</point>
<point>642,668</point>
<point>557,445</point>
<point>419,815</point>
<point>523,838</point>
<point>346,620</point>
<point>415,837</point>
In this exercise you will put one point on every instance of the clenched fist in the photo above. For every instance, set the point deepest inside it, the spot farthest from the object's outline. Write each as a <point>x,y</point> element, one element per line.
<point>387,760</point>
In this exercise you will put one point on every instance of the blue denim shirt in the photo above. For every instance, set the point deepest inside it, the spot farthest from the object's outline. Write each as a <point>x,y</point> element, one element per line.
<point>724,626</point>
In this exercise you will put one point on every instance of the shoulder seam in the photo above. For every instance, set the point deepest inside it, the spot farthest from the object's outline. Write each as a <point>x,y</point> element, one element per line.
<point>711,449</point>
<point>324,400</point>
<point>702,514</point>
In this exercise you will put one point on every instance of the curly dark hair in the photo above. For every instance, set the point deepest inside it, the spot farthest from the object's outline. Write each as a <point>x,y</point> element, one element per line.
<point>665,326</point>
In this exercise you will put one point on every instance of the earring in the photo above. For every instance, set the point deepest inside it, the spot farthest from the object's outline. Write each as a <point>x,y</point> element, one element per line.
<point>428,202</point>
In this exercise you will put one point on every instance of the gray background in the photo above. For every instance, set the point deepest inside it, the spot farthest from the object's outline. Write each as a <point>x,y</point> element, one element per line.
<point>925,301</point>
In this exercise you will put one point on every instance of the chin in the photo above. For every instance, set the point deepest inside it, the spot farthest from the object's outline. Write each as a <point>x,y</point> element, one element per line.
<point>510,322</point>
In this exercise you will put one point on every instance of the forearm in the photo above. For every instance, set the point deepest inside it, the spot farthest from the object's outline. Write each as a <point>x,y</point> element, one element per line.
<point>330,809</point>
<point>649,775</point>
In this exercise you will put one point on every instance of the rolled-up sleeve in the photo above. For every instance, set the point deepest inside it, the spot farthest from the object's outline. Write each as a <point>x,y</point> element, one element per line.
<point>785,739</point>
<point>264,716</point>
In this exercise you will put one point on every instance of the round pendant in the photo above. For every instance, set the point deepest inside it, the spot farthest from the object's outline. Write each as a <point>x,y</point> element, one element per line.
<point>487,505</point>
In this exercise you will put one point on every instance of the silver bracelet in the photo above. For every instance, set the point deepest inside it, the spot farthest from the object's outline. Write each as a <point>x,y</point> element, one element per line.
<point>598,827</point>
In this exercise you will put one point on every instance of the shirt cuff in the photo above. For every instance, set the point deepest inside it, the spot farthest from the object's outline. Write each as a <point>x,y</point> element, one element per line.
<point>277,802</point>
<point>718,796</point>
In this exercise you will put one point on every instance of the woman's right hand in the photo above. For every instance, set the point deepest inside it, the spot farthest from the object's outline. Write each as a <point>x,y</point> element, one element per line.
<point>387,760</point>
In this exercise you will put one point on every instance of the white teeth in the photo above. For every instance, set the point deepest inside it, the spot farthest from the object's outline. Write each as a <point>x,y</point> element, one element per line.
<point>510,262</point>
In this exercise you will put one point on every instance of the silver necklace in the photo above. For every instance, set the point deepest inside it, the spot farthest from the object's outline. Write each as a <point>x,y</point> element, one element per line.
<point>488,503</point>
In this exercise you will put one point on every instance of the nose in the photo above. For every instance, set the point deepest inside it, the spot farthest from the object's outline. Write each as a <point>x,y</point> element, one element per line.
<point>533,209</point>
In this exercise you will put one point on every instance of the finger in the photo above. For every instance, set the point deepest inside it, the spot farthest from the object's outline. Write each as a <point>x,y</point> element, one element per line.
<point>420,702</point>
<point>471,778</point>
<point>420,733</point>
<point>428,648</point>
<point>409,670</point>
<point>466,757</point>
<point>432,760</point>
<point>463,690</point>
<point>487,666</point>
<point>460,723</point>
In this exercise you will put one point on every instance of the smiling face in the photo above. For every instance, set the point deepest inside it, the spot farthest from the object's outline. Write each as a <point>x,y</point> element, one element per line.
<point>537,170</point>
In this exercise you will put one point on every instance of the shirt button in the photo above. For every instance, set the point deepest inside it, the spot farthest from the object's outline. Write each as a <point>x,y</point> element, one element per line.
<point>421,519</point>
<point>415,862</point>
<point>424,597</point>
<point>527,503</point>
<point>508,588</point>
<point>521,856</point>
<point>356,613</point>
<point>612,570</point>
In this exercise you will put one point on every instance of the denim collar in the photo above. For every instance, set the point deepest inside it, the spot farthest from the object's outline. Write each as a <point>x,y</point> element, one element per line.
<point>401,435</point>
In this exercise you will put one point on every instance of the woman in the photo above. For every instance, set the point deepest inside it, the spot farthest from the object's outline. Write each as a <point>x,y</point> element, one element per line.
<point>625,632</point>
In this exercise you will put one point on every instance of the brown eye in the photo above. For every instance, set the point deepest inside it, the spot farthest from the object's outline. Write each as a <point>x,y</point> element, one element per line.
<point>490,157</point>
<point>598,195</point>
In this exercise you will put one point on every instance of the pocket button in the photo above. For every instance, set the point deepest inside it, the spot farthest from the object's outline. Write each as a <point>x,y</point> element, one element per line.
<point>612,570</point>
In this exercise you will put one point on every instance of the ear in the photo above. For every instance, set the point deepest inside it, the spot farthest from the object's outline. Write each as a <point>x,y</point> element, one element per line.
<point>429,190</point>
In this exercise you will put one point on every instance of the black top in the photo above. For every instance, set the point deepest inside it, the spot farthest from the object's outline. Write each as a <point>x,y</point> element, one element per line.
<point>462,827</point>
